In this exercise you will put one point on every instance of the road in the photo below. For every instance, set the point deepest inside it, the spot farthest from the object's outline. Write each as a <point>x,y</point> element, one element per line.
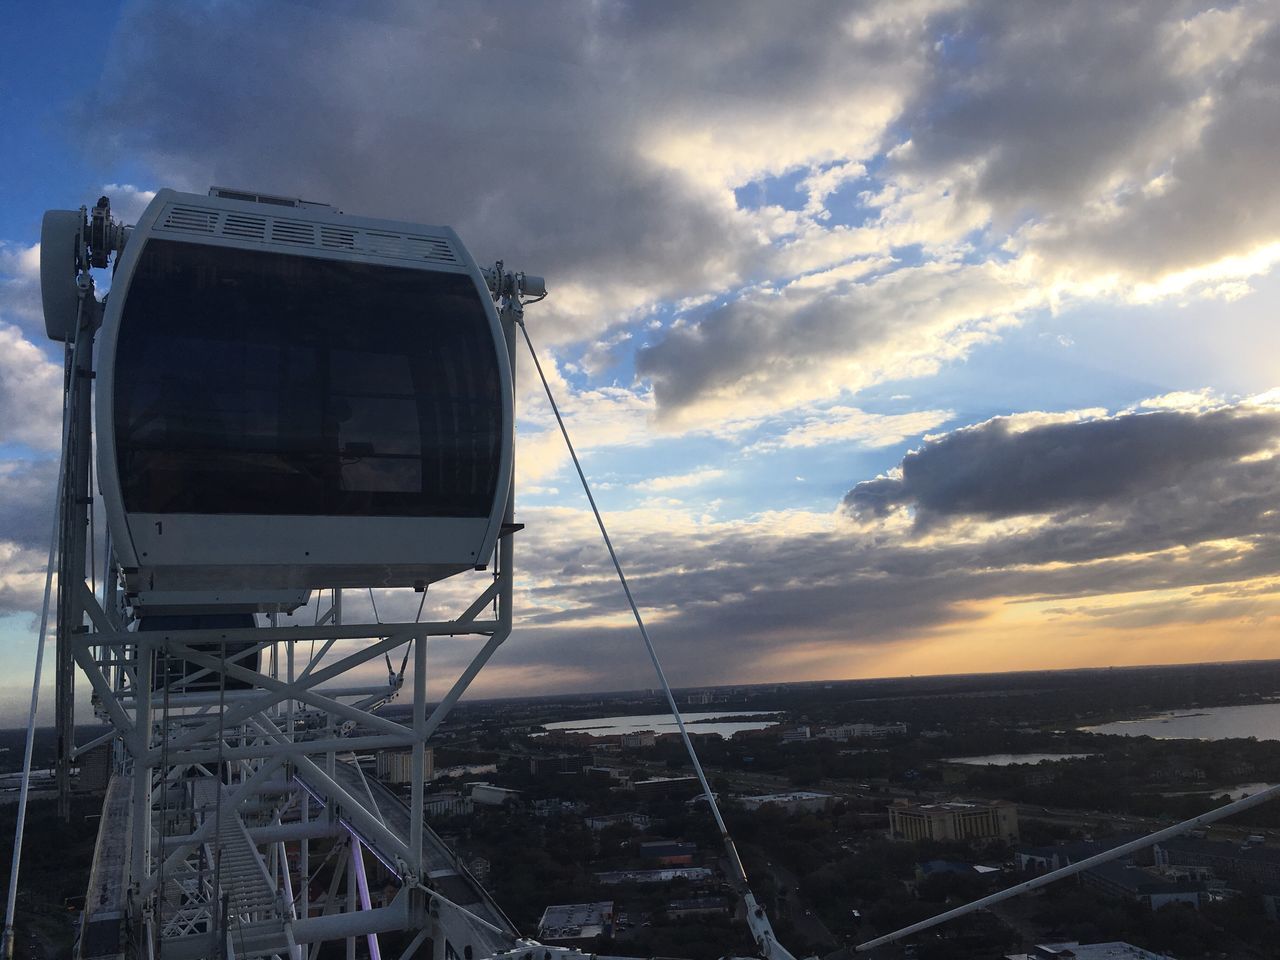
<point>794,907</point>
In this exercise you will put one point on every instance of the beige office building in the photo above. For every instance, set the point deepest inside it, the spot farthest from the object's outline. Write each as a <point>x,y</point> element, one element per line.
<point>954,820</point>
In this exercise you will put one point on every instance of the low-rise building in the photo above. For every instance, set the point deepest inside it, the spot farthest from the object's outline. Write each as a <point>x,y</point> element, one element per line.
<point>954,820</point>
<point>680,788</point>
<point>665,875</point>
<point>449,804</point>
<point>697,907</point>
<point>639,739</point>
<point>669,853</point>
<point>858,731</point>
<point>1057,856</point>
<point>486,794</point>
<point>1226,860</point>
<point>551,764</point>
<point>932,868</point>
<point>640,821</point>
<point>1074,950</point>
<point>795,733</point>
<point>796,801</point>
<point>573,924</point>
<point>1128,882</point>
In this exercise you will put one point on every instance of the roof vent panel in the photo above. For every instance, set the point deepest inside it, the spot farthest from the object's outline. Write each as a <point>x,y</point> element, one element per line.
<point>293,232</point>
<point>191,219</point>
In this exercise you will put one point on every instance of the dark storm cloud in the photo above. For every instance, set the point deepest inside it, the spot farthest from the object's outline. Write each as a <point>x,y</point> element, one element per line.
<point>26,501</point>
<point>529,128</point>
<point>1141,503</point>
<point>993,470</point>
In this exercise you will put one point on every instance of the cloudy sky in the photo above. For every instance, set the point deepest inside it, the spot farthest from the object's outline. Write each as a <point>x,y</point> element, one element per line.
<point>899,337</point>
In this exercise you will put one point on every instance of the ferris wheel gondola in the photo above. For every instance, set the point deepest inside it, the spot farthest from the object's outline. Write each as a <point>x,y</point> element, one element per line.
<point>290,398</point>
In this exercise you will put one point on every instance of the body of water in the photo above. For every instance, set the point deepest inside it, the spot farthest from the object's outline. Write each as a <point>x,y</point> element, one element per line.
<point>704,723</point>
<point>1008,759</point>
<point>1238,792</point>
<point>1261,720</point>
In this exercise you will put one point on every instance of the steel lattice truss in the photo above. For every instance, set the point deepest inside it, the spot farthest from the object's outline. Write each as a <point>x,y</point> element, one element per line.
<point>233,790</point>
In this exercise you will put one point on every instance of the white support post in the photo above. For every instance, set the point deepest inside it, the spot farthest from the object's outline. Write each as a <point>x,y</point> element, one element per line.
<point>353,851</point>
<point>304,860</point>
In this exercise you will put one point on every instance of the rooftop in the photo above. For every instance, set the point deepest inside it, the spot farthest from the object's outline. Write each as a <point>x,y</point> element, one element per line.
<point>945,806</point>
<point>1113,950</point>
<point>664,875</point>
<point>1222,848</point>
<point>575,921</point>
<point>792,796</point>
<point>1139,881</point>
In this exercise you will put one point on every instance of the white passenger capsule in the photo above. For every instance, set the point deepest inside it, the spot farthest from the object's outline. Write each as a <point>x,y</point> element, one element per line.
<point>289,398</point>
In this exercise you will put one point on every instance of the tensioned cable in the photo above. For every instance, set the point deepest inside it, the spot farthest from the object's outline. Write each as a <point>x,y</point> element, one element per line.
<point>730,849</point>
<point>408,649</point>
<point>59,493</point>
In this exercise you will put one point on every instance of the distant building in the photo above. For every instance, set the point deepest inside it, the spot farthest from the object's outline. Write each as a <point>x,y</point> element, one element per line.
<point>954,820</point>
<point>638,820</point>
<point>396,766</point>
<point>669,853</point>
<point>554,806</point>
<point>1226,860</point>
<point>699,698</point>
<point>795,733</point>
<point>639,739</point>
<point>873,731</point>
<point>665,875</point>
<point>931,868</point>
<point>559,763</point>
<point>697,907</point>
<point>680,788</point>
<point>1057,856</point>
<point>573,924</point>
<point>451,804</point>
<point>1074,950</point>
<point>486,794</point>
<point>1128,882</point>
<point>794,802</point>
<point>479,868</point>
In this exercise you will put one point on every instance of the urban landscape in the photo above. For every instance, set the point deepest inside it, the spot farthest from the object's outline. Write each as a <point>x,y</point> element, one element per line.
<point>582,818</point>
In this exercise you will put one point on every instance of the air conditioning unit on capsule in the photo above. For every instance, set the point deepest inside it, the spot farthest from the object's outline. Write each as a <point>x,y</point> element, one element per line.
<point>289,398</point>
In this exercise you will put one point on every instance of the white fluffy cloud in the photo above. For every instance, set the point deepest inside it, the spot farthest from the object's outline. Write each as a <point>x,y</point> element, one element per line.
<point>748,217</point>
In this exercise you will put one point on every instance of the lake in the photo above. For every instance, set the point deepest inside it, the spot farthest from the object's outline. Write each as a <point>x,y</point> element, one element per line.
<point>1009,759</point>
<point>1261,720</point>
<point>1237,792</point>
<point>703,723</point>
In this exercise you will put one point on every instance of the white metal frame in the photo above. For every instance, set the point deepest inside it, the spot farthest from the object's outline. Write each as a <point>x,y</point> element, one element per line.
<point>232,790</point>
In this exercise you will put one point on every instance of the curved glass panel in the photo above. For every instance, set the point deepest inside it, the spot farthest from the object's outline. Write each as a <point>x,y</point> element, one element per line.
<point>250,382</point>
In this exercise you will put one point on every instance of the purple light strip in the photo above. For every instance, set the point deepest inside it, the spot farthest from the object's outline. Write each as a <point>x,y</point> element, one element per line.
<point>362,886</point>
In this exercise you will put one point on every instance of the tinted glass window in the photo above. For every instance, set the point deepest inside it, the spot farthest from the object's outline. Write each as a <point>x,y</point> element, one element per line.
<point>264,383</point>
